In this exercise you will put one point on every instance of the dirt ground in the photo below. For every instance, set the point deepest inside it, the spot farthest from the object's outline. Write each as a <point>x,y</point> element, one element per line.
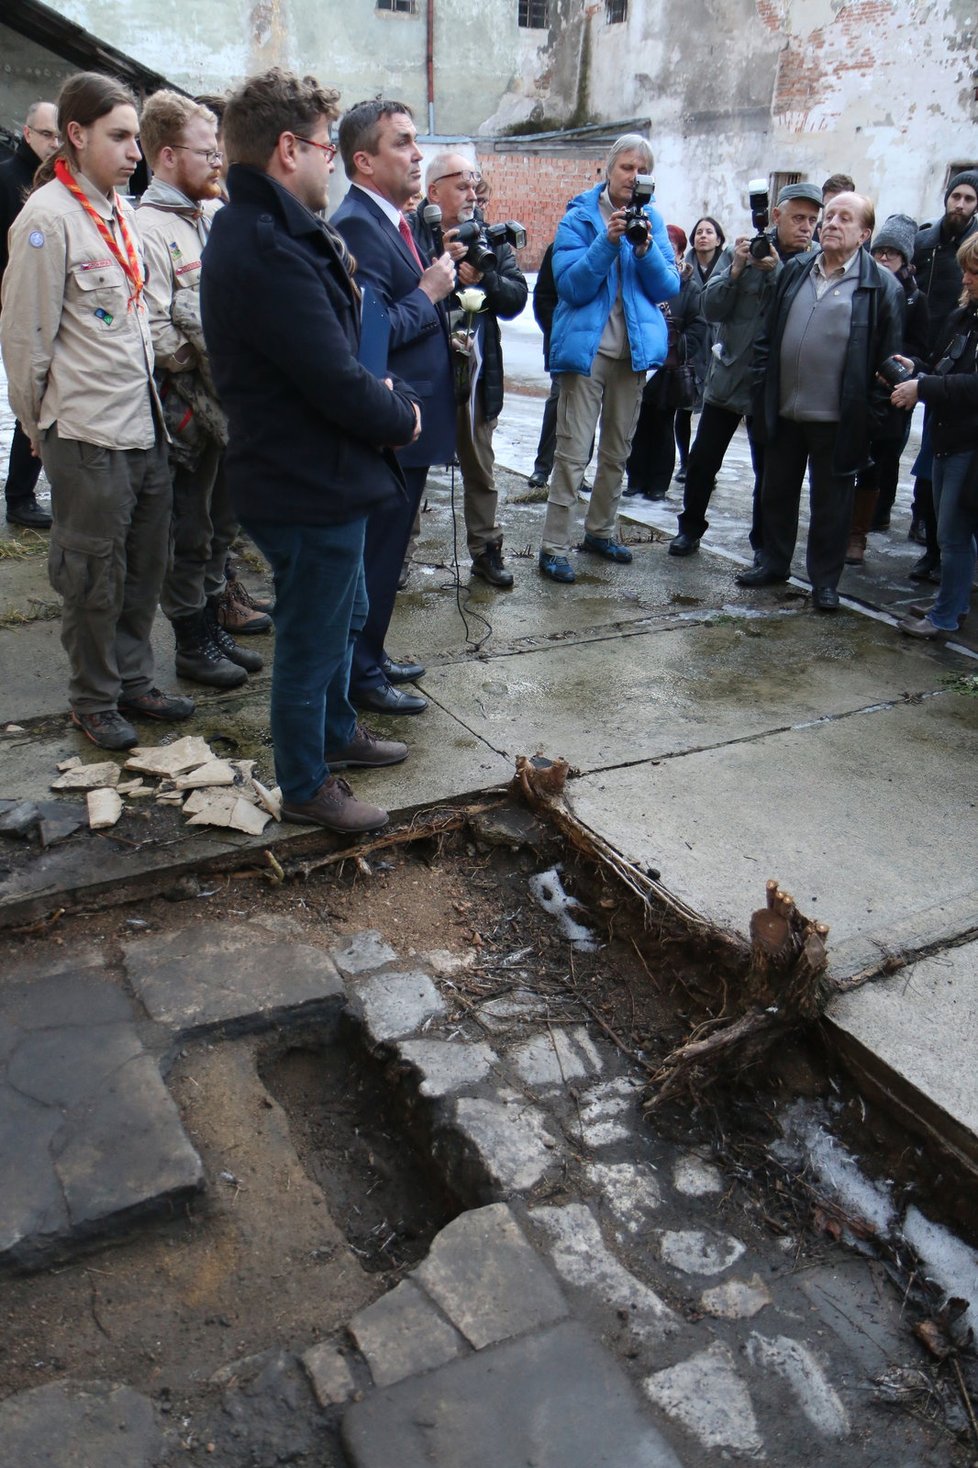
<point>319,1194</point>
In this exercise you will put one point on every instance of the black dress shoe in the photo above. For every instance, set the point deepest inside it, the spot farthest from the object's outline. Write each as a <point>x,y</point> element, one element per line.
<point>28,512</point>
<point>401,672</point>
<point>825,599</point>
<point>684,545</point>
<point>760,576</point>
<point>383,699</point>
<point>537,480</point>
<point>928,568</point>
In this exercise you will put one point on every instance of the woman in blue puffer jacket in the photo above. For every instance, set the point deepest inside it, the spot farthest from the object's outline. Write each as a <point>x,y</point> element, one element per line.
<point>607,332</point>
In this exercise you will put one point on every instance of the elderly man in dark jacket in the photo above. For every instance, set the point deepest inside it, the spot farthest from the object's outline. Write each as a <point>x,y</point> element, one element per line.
<point>835,317</point>
<point>39,141</point>
<point>477,353</point>
<point>310,430</point>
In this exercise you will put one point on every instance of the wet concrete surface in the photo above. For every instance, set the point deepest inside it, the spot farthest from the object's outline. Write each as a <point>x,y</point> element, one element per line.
<point>724,736</point>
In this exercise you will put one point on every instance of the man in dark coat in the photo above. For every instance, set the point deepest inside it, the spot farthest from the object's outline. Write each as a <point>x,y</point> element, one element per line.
<point>835,316</point>
<point>281,318</point>
<point>40,139</point>
<point>383,163</point>
<point>476,339</point>
<point>936,249</point>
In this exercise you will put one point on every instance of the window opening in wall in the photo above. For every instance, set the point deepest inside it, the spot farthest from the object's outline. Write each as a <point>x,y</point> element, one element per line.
<point>534,14</point>
<point>954,168</point>
<point>781,181</point>
<point>399,7</point>
<point>615,11</point>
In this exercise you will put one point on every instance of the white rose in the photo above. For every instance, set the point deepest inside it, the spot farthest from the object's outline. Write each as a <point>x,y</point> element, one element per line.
<point>472,299</point>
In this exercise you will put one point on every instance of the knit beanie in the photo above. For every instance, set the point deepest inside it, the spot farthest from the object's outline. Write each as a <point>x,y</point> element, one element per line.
<point>898,232</point>
<point>969,177</point>
<point>677,236</point>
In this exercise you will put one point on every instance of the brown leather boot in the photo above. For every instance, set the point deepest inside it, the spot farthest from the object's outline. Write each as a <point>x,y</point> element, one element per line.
<point>863,506</point>
<point>335,806</point>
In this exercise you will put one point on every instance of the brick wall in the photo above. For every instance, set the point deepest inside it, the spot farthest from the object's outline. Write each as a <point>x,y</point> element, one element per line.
<point>534,189</point>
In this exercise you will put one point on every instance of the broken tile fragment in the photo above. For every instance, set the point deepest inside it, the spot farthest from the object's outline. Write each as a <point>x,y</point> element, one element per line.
<point>270,800</point>
<point>104,809</point>
<point>170,759</point>
<point>228,809</point>
<point>214,772</point>
<point>87,777</point>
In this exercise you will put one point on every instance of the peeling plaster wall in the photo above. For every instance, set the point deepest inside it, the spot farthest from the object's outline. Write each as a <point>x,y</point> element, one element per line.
<point>881,89</point>
<point>481,56</point>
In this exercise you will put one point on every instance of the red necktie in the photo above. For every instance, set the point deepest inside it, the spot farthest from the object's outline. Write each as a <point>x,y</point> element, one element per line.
<point>408,239</point>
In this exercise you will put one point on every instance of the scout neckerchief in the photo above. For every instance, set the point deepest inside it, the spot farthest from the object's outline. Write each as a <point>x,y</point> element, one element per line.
<point>129,261</point>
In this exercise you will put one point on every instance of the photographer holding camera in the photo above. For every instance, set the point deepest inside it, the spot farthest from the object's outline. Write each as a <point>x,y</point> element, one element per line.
<point>484,261</point>
<point>613,263</point>
<point>735,298</point>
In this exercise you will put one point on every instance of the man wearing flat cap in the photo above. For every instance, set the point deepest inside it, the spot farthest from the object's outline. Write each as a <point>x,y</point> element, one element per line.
<point>735,298</point>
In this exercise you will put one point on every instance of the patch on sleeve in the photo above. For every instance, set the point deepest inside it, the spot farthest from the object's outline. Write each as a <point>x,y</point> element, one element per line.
<point>36,238</point>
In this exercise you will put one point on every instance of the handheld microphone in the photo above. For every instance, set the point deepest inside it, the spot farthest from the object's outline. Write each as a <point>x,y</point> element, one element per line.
<point>431,214</point>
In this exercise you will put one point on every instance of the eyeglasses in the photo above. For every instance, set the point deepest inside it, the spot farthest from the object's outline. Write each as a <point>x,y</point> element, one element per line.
<point>887,254</point>
<point>46,133</point>
<point>213,155</point>
<point>328,148</point>
<point>467,178</point>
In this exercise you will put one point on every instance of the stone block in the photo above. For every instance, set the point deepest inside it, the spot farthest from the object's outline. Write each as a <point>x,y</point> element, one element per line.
<point>329,1374</point>
<point>447,1065</point>
<point>89,1135</point>
<point>800,1369</point>
<point>402,1334</point>
<point>736,1299</point>
<point>557,1056</point>
<point>554,1400</point>
<point>396,1004</point>
<point>695,1251</point>
<point>709,1397</point>
<point>487,1278</point>
<point>80,1425</point>
<point>513,1143</point>
<point>233,975</point>
<point>583,1259</point>
<point>362,953</point>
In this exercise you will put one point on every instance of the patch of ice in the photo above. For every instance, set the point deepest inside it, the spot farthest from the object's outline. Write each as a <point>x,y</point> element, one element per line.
<point>807,1136</point>
<point>950,1262</point>
<point>549,892</point>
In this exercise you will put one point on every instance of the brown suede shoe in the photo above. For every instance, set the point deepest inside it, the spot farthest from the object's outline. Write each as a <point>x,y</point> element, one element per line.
<point>335,806</point>
<point>368,750</point>
<point>239,613</point>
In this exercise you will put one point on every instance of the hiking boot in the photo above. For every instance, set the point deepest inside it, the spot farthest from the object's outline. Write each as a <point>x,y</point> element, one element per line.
<point>557,568</point>
<point>169,708</point>
<point>198,656</point>
<point>604,545</point>
<point>367,750</point>
<point>108,729</point>
<point>239,612</point>
<point>489,565</point>
<point>27,512</point>
<point>335,807</point>
<point>252,662</point>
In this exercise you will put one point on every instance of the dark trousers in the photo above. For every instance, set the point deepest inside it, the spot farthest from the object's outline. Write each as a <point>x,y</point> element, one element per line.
<point>717,427</point>
<point>23,470</point>
<point>388,533</point>
<point>795,447</point>
<point>320,603</point>
<point>653,455</point>
<point>547,447</point>
<point>684,430</point>
<point>883,474</point>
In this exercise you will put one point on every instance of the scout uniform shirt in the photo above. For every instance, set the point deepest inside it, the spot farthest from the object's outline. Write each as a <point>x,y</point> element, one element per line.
<point>76,344</point>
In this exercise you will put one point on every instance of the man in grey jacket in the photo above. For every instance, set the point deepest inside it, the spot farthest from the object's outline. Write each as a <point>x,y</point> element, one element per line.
<point>735,298</point>
<point>834,320</point>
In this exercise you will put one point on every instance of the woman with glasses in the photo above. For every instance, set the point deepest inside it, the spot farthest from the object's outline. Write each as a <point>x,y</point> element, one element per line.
<point>950,391</point>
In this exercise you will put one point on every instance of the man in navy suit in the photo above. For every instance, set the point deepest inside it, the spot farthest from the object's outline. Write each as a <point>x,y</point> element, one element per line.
<point>383,163</point>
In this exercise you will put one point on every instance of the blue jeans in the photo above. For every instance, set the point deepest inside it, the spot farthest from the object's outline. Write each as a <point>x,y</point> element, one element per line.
<point>956,530</point>
<point>320,606</point>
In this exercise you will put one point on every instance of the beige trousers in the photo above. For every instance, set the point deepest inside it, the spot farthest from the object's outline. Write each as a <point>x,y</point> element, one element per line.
<point>611,396</point>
